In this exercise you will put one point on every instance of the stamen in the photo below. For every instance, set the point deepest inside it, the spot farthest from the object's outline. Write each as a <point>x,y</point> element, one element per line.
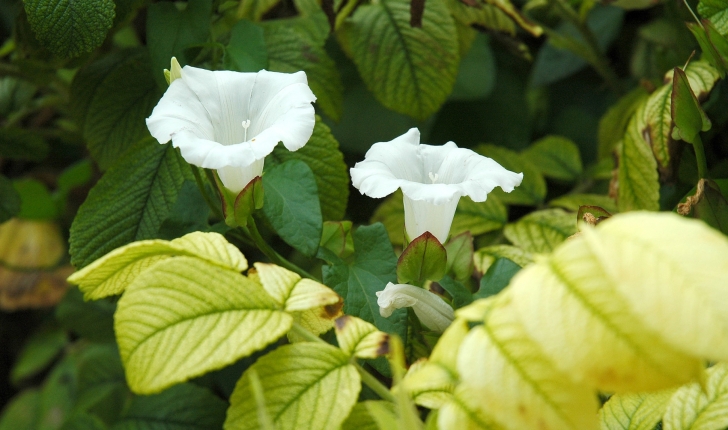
<point>433,177</point>
<point>246,124</point>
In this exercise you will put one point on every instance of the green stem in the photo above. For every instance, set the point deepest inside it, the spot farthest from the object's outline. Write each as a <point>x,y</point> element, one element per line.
<point>215,208</point>
<point>252,230</point>
<point>344,13</point>
<point>599,61</point>
<point>700,157</point>
<point>366,377</point>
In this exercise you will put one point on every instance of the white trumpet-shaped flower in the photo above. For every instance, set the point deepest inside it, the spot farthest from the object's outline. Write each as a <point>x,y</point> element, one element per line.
<point>432,179</point>
<point>230,121</point>
<point>430,309</point>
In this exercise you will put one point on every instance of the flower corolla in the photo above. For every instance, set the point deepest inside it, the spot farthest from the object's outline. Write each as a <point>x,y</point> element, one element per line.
<point>430,309</point>
<point>229,121</point>
<point>432,179</point>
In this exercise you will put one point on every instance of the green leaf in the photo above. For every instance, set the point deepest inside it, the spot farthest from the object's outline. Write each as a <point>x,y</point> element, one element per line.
<point>460,256</point>
<point>255,9</point>
<point>391,214</point>
<point>21,412</point>
<point>91,320</point>
<point>246,51</point>
<point>323,156</point>
<point>291,204</point>
<point>497,277</point>
<point>409,70</point>
<point>372,267</point>
<point>37,353</point>
<point>478,218</point>
<point>9,199</point>
<point>189,213</point>
<point>482,14</point>
<point>541,231</point>
<point>129,202</point>
<point>35,200</point>
<point>110,100</point>
<point>555,157</point>
<point>637,186</point>
<point>182,407</point>
<point>170,31</point>
<point>83,421</point>
<point>102,388</point>
<point>336,237</point>
<point>687,115</point>
<point>572,202</point>
<point>533,187</point>
<point>70,28</point>
<point>305,384</point>
<point>203,316</point>
<point>290,49</point>
<point>485,257</point>
<point>700,408</point>
<point>58,394</point>
<point>713,44</point>
<point>372,415</point>
<point>614,122</point>
<point>634,411</point>
<point>22,144</point>
<point>477,72</point>
<point>708,204</point>
<point>717,12</point>
<point>424,259</point>
<point>74,176</point>
<point>461,296</point>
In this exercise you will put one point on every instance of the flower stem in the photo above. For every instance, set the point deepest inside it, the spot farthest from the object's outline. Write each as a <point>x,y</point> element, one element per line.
<point>700,157</point>
<point>366,377</point>
<point>201,185</point>
<point>344,13</point>
<point>252,230</point>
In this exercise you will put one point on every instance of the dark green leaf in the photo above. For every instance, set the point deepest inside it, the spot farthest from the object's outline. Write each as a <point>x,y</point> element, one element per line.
<point>477,72</point>
<point>20,144</point>
<point>93,320</point>
<point>555,157</point>
<point>497,277</point>
<point>291,204</point>
<point>9,200</point>
<point>83,421</point>
<point>102,386</point>
<point>110,100</point>
<point>171,30</point>
<point>337,238</point>
<point>615,120</point>
<point>246,51</point>
<point>58,395</point>
<point>707,202</point>
<point>409,70</point>
<point>36,200</point>
<point>460,295</point>
<point>709,45</point>
<point>130,202</point>
<point>75,175</point>
<point>69,28</point>
<point>482,14</point>
<point>424,259</point>
<point>37,353</point>
<point>533,188</point>
<point>189,213</point>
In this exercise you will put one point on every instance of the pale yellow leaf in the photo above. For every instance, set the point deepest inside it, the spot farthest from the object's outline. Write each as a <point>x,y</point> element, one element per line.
<point>429,384</point>
<point>634,411</point>
<point>485,257</point>
<point>359,338</point>
<point>692,408</point>
<point>293,293</point>
<point>541,231</point>
<point>461,413</point>
<point>372,415</point>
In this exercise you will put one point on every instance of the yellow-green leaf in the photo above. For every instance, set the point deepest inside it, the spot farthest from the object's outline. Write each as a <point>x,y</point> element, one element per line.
<point>306,385</point>
<point>360,339</point>
<point>485,257</point>
<point>717,12</point>
<point>541,231</point>
<point>293,293</point>
<point>184,317</point>
<point>695,408</point>
<point>634,411</point>
<point>461,413</point>
<point>372,415</point>
<point>478,217</point>
<point>572,202</point>
<point>112,273</point>
<point>637,186</point>
<point>614,122</point>
<point>533,188</point>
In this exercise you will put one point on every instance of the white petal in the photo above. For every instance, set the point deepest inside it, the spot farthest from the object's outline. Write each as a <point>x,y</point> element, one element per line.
<point>236,178</point>
<point>179,109</point>
<point>421,216</point>
<point>431,310</point>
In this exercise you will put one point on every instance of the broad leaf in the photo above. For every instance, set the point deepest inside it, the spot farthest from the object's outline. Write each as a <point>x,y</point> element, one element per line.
<point>634,411</point>
<point>614,122</point>
<point>291,292</point>
<point>129,203</point>
<point>697,407</point>
<point>424,259</point>
<point>22,144</point>
<point>533,188</point>
<point>110,100</point>
<point>70,28</point>
<point>246,51</point>
<point>460,256</point>
<point>478,218</point>
<point>555,157</point>
<point>485,257</point>
<point>36,202</point>
<point>360,339</point>
<point>541,231</point>
<point>306,385</point>
<point>637,181</point>
<point>497,277</point>
<point>203,316</point>
<point>102,387</point>
<point>372,415</point>
<point>9,200</point>
<point>291,204</point>
<point>409,70</point>
<point>717,12</point>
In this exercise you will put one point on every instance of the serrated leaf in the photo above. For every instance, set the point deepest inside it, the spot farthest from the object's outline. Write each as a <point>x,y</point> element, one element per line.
<point>112,273</point>
<point>373,265</point>
<point>642,286</point>
<point>129,203</point>
<point>409,70</point>
<point>291,49</point>
<point>246,51</point>
<point>291,204</point>
<point>204,317</point>
<point>572,202</point>
<point>697,407</point>
<point>482,14</point>
<point>372,415</point>
<point>91,320</point>
<point>323,156</point>
<point>515,383</point>
<point>9,199</point>
<point>634,411</point>
<point>185,406</point>
<point>541,231</point>
<point>22,144</point>
<point>478,218</point>
<point>485,257</point>
<point>291,292</point>
<point>533,187</point>
<point>170,31</point>
<point>360,339</point>
<point>614,122</point>
<point>306,385</point>
<point>69,28</point>
<point>717,12</point>
<point>111,99</point>
<point>555,157</point>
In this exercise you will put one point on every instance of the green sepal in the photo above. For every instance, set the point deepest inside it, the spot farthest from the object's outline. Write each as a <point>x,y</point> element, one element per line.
<point>685,109</point>
<point>424,258</point>
<point>237,208</point>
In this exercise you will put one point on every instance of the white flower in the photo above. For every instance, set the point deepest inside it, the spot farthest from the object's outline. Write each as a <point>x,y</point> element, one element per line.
<point>230,121</point>
<point>431,310</point>
<point>432,178</point>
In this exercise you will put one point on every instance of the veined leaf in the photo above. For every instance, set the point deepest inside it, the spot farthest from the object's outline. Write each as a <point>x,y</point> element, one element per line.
<point>482,14</point>
<point>696,408</point>
<point>255,9</point>
<point>485,257</point>
<point>409,70</point>
<point>515,383</point>
<point>614,122</point>
<point>533,187</point>
<point>293,293</point>
<point>306,385</point>
<point>129,202</point>
<point>478,218</point>
<point>637,186</point>
<point>634,411</point>
<point>541,231</point>
<point>687,115</point>
<point>110,274</point>
<point>462,412</point>
<point>69,28</point>
<point>627,285</point>
<point>372,415</point>
<point>203,316</point>
<point>717,12</point>
<point>360,339</point>
<point>556,157</point>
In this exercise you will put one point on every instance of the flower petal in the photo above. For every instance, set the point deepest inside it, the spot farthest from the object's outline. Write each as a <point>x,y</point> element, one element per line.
<point>431,310</point>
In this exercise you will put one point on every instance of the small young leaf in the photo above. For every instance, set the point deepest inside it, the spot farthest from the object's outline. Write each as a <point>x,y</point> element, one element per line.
<point>293,293</point>
<point>424,259</point>
<point>541,231</point>
<point>685,110</point>
<point>555,157</point>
